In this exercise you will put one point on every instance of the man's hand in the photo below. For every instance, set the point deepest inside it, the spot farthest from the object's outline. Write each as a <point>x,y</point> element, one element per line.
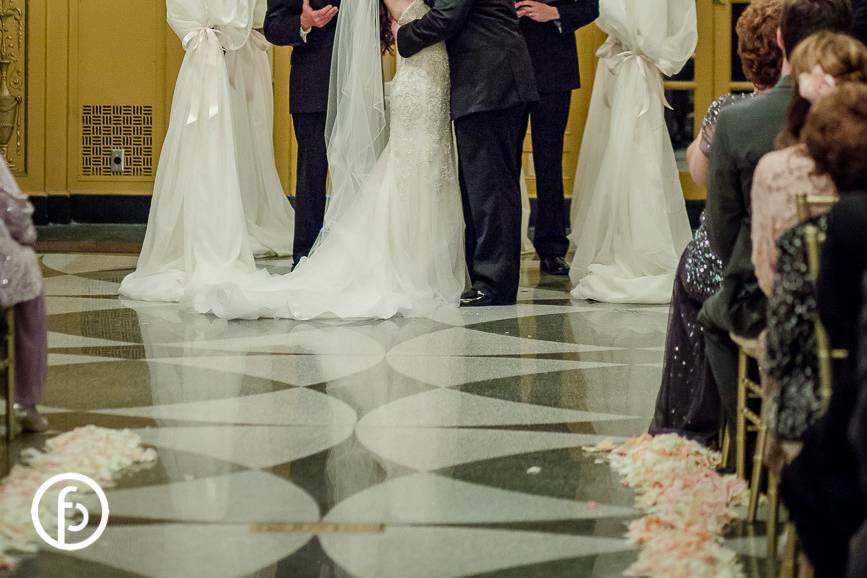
<point>311,18</point>
<point>538,11</point>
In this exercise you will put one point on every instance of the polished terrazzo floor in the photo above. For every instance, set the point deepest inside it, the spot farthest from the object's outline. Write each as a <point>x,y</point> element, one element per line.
<point>408,448</point>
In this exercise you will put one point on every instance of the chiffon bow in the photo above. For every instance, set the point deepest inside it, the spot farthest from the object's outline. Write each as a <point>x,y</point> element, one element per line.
<point>207,71</point>
<point>614,55</point>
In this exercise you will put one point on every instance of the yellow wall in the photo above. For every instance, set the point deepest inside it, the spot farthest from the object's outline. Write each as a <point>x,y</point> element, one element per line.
<point>93,53</point>
<point>82,54</point>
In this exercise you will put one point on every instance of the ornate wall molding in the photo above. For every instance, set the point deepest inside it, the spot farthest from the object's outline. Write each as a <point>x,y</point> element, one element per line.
<point>13,82</point>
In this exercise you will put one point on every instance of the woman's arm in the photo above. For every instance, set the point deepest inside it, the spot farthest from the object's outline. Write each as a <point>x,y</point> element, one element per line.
<point>699,164</point>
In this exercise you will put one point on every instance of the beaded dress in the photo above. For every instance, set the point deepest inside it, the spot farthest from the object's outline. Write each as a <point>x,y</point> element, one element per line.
<point>688,403</point>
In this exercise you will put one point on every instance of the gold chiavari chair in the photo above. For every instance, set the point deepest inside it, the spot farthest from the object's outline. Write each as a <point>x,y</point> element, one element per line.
<point>7,365</point>
<point>825,353</point>
<point>748,391</point>
<point>811,205</point>
<point>725,445</point>
<point>749,421</point>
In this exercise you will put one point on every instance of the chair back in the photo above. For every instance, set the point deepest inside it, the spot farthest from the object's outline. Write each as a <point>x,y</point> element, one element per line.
<point>811,205</point>
<point>826,354</point>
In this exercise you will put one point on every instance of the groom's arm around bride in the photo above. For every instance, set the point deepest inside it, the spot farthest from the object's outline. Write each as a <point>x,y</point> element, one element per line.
<point>492,82</point>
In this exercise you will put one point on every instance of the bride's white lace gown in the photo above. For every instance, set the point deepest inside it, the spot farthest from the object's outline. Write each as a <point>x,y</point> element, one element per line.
<point>629,221</point>
<point>397,247</point>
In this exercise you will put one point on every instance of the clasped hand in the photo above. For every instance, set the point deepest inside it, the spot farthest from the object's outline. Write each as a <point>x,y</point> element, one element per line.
<point>537,11</point>
<point>311,18</point>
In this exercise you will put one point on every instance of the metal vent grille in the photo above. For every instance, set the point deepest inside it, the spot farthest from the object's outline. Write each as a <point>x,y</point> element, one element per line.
<point>105,127</point>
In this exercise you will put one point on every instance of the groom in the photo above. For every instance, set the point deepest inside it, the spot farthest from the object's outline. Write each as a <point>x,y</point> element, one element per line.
<point>492,83</point>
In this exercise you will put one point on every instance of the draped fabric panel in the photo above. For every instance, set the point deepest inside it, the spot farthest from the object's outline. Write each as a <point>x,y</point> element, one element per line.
<point>629,220</point>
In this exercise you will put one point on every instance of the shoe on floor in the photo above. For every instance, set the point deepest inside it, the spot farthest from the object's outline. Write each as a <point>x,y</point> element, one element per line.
<point>29,420</point>
<point>555,266</point>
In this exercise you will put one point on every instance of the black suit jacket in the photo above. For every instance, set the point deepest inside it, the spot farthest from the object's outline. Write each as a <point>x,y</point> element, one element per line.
<point>311,61</point>
<point>844,262</point>
<point>553,49</point>
<point>859,20</point>
<point>744,134</point>
<point>822,488</point>
<point>490,65</point>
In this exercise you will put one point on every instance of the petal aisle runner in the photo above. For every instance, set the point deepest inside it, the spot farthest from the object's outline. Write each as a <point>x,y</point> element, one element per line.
<point>687,506</point>
<point>98,453</point>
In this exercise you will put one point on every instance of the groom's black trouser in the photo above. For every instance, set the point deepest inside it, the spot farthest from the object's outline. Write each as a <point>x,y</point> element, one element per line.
<point>550,116</point>
<point>490,188</point>
<point>310,180</point>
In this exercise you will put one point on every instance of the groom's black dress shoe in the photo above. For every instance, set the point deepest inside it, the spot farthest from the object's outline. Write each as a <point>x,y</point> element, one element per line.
<point>555,266</point>
<point>476,298</point>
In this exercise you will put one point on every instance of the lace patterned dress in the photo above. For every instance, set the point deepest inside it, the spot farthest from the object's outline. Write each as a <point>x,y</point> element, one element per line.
<point>780,177</point>
<point>688,403</point>
<point>792,364</point>
<point>398,248</point>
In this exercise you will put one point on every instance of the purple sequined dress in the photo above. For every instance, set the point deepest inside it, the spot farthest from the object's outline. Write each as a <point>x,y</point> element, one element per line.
<point>688,403</point>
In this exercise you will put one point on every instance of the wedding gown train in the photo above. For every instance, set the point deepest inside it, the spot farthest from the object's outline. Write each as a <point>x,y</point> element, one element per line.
<point>395,246</point>
<point>629,221</point>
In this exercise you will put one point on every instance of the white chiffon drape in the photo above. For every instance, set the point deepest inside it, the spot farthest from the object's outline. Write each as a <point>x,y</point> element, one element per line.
<point>270,218</point>
<point>629,220</point>
<point>216,171</point>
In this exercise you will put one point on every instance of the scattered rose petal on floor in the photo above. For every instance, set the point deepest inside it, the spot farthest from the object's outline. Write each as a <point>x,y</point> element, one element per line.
<point>687,506</point>
<point>98,453</point>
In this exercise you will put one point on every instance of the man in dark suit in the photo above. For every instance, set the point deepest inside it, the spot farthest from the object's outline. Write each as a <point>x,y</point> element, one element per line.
<point>309,29</point>
<point>549,30</point>
<point>492,82</point>
<point>744,134</point>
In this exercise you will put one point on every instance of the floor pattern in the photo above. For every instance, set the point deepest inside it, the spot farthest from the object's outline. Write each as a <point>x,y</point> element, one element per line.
<point>409,448</point>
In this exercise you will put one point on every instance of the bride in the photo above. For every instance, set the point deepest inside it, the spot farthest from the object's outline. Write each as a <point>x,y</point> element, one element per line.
<point>629,222</point>
<point>393,236</point>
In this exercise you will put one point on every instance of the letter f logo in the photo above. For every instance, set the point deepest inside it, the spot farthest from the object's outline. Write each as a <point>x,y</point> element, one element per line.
<point>62,506</point>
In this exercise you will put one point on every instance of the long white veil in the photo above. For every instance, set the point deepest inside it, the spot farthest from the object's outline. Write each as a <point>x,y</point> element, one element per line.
<point>356,127</point>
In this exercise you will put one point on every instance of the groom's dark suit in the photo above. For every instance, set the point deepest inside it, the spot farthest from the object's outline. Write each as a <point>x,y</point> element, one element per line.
<point>492,82</point>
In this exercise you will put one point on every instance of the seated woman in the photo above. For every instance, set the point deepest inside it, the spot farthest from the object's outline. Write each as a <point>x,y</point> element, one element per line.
<point>688,403</point>
<point>821,487</point>
<point>819,64</point>
<point>21,288</point>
